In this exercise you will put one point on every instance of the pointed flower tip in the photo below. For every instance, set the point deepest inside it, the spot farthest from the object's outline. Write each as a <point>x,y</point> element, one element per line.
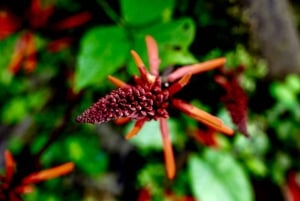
<point>227,130</point>
<point>9,165</point>
<point>174,88</point>
<point>168,150</point>
<point>171,172</point>
<point>149,37</point>
<point>137,59</point>
<point>202,116</point>
<point>185,79</point>
<point>208,65</point>
<point>117,82</point>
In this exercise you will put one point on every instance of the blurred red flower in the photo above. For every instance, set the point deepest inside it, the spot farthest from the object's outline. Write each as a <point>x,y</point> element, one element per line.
<point>12,187</point>
<point>36,18</point>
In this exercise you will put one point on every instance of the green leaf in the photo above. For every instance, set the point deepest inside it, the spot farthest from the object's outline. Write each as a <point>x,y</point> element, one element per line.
<point>103,50</point>
<point>139,12</point>
<point>149,138</point>
<point>77,151</point>
<point>293,83</point>
<point>283,94</point>
<point>14,111</point>
<point>217,176</point>
<point>173,39</point>
<point>7,47</point>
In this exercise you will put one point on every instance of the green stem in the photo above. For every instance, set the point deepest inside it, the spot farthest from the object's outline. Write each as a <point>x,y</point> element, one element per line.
<point>111,13</point>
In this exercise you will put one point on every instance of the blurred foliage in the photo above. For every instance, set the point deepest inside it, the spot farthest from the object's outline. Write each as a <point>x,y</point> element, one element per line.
<point>38,109</point>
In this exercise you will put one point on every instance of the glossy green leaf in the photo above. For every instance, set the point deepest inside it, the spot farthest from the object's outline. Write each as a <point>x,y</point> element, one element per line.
<point>103,50</point>
<point>139,12</point>
<point>217,176</point>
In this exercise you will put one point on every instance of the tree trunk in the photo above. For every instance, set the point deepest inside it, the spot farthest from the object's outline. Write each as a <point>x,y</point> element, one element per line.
<point>275,31</point>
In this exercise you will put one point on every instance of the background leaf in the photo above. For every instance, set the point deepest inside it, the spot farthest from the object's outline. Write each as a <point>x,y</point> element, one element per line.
<point>138,12</point>
<point>99,57</point>
<point>217,176</point>
<point>149,138</point>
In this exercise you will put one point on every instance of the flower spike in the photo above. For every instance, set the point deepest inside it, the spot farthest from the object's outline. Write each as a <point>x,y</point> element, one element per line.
<point>146,99</point>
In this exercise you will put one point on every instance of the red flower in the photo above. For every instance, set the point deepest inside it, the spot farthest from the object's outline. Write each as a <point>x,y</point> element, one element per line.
<point>146,100</point>
<point>11,187</point>
<point>235,99</point>
<point>206,137</point>
<point>145,194</point>
<point>293,187</point>
<point>36,18</point>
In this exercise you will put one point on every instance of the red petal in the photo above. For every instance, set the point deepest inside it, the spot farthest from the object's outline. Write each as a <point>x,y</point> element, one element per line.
<point>202,116</point>
<point>137,127</point>
<point>49,173</point>
<point>38,16</point>
<point>153,57</point>
<point>168,150</point>
<point>14,197</point>
<point>144,195</point>
<point>117,82</point>
<point>293,187</point>
<point>59,44</point>
<point>9,166</point>
<point>8,23</point>
<point>122,120</point>
<point>196,68</point>
<point>145,75</point>
<point>30,53</point>
<point>73,21</point>
<point>206,137</point>
<point>174,88</point>
<point>24,189</point>
<point>18,55</point>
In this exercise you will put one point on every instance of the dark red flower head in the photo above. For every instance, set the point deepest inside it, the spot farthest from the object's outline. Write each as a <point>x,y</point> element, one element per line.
<point>147,100</point>
<point>135,102</point>
<point>235,98</point>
